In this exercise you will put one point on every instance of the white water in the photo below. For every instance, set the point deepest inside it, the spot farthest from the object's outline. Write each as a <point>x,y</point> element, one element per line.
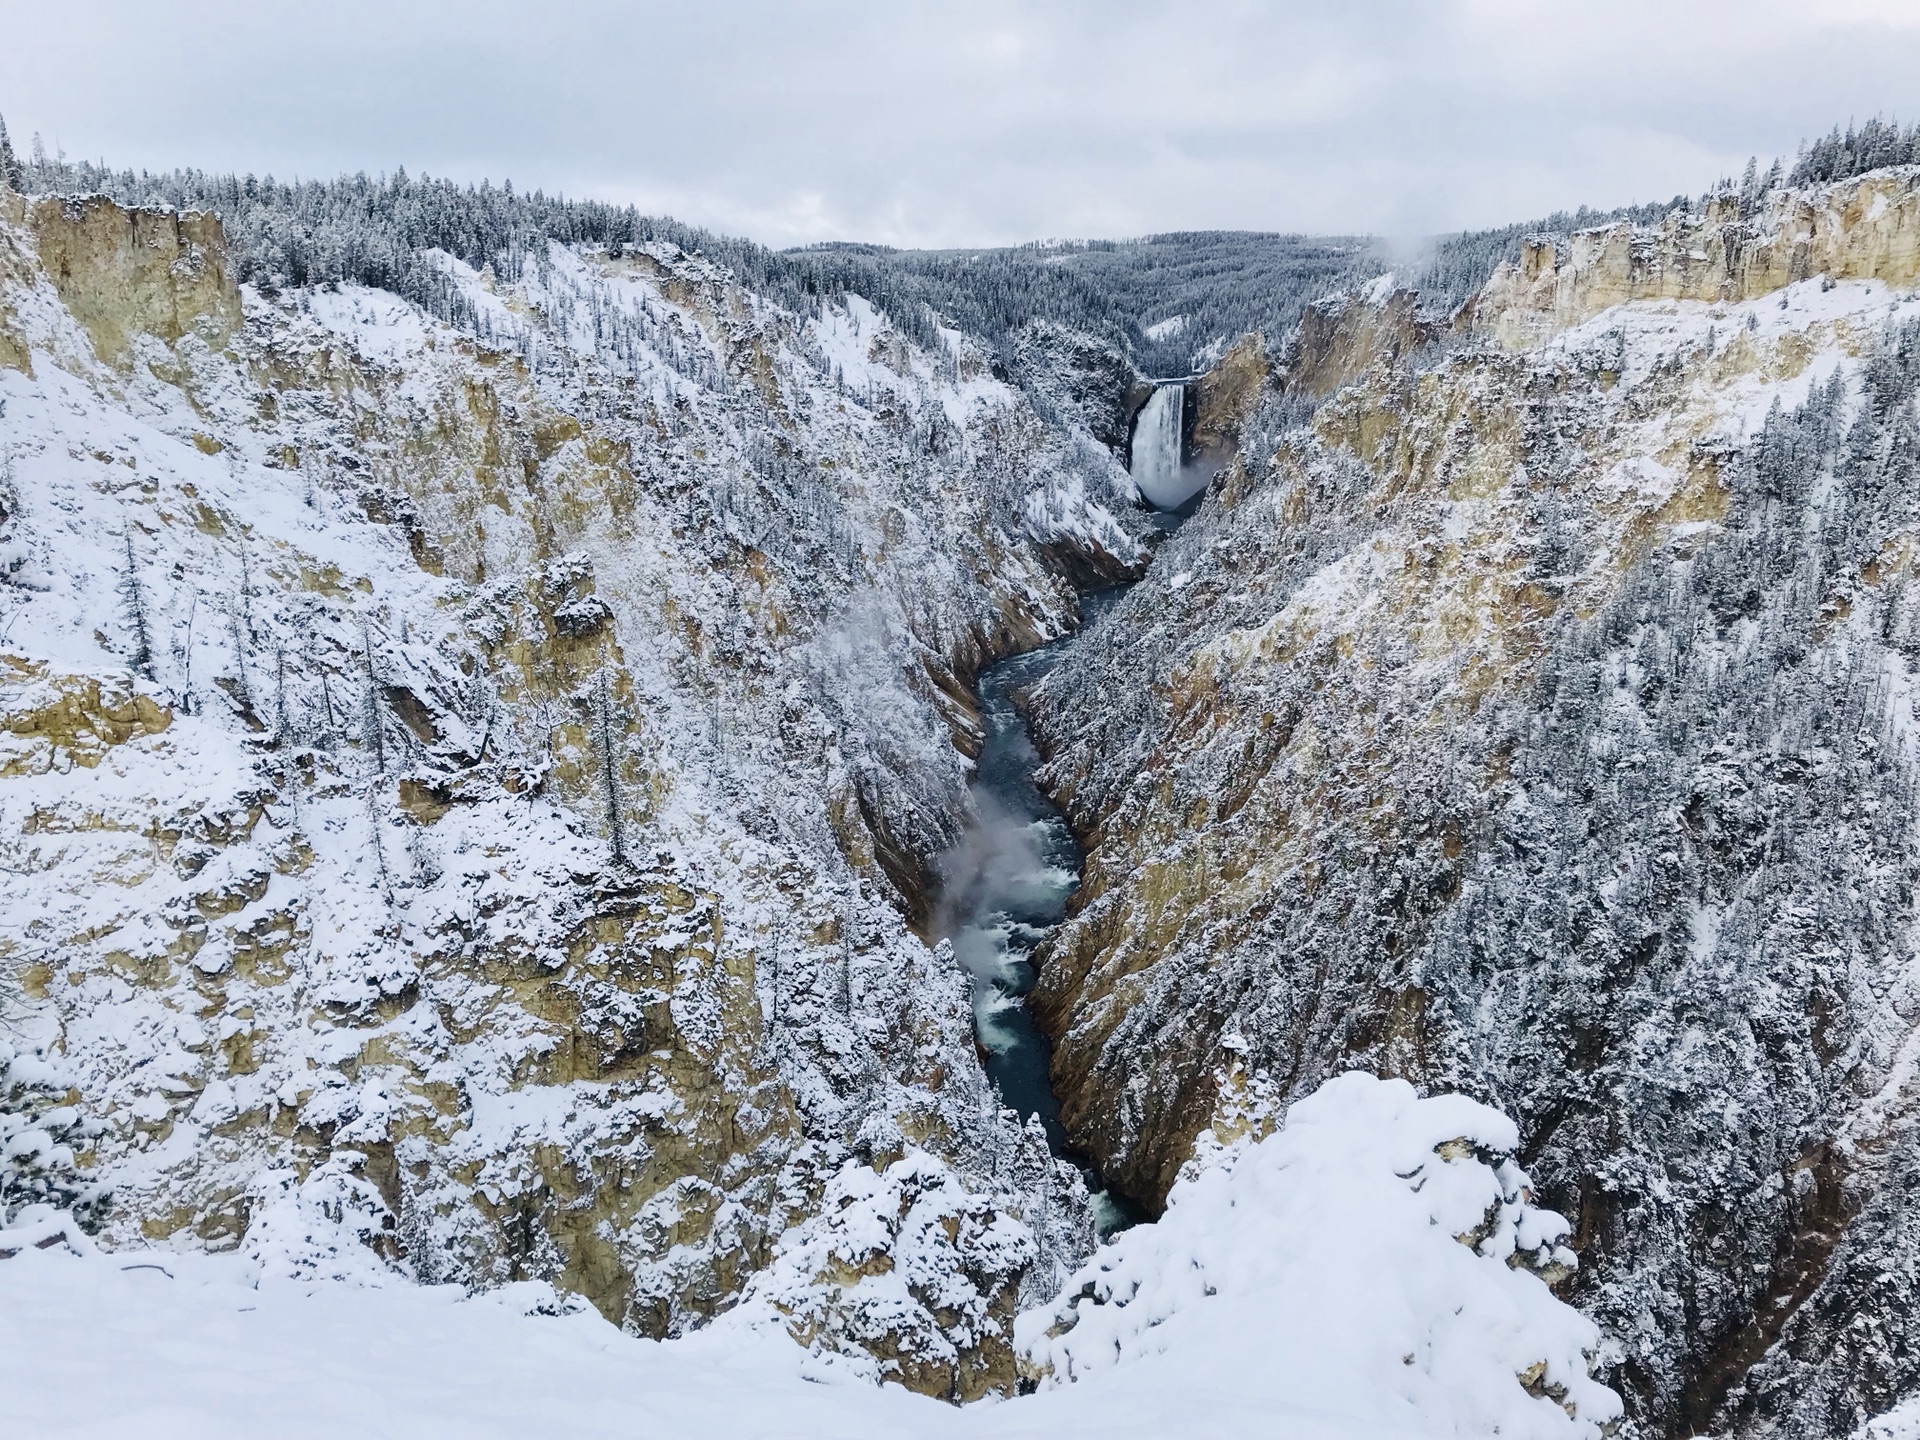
<point>1158,449</point>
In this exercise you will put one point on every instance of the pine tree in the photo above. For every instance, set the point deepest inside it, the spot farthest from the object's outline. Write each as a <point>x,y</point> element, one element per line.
<point>10,175</point>
<point>188,703</point>
<point>381,872</point>
<point>133,603</point>
<point>605,736</point>
<point>328,723</point>
<point>282,725</point>
<point>243,686</point>
<point>372,723</point>
<point>775,955</point>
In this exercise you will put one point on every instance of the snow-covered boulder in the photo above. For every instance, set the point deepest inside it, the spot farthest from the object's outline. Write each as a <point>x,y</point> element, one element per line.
<point>1373,1259</point>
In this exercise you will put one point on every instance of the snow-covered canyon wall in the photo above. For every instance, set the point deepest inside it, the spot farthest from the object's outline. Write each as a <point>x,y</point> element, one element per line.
<point>1538,722</point>
<point>473,785</point>
<point>471,793</point>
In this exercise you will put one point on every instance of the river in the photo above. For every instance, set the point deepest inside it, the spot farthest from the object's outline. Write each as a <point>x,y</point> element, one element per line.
<point>1006,888</point>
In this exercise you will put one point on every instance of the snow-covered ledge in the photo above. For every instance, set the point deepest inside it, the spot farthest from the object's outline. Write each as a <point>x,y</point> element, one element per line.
<point>1360,1271</point>
<point>1377,1257</point>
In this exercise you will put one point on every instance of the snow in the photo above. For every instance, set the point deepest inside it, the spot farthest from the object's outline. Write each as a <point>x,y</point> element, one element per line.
<point>1308,1284</point>
<point>1253,1282</point>
<point>1900,1423</point>
<point>1378,290</point>
<point>1824,321</point>
<point>196,1350</point>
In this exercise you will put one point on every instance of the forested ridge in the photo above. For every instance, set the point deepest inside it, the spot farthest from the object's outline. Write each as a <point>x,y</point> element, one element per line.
<point>1163,300</point>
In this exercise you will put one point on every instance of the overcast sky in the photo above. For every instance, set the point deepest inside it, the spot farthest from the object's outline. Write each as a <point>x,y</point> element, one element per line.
<point>984,122</point>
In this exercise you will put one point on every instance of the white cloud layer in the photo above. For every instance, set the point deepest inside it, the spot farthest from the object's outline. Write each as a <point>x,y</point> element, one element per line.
<point>914,122</point>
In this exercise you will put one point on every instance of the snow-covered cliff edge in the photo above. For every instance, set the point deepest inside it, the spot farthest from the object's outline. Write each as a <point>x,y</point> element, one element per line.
<point>1363,1274</point>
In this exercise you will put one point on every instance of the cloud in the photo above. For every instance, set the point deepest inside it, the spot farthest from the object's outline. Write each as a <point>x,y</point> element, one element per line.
<point>988,121</point>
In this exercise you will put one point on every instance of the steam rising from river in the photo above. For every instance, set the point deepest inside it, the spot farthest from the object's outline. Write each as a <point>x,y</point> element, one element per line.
<point>1004,889</point>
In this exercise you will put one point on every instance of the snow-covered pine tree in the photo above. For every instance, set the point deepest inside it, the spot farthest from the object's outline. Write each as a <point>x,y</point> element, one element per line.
<point>10,176</point>
<point>606,740</point>
<point>282,724</point>
<point>133,605</point>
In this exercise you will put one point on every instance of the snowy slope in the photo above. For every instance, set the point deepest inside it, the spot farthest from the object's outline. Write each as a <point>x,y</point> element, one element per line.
<point>1308,1283</point>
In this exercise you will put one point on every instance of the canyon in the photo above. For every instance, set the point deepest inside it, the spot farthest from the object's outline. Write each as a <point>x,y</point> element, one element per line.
<point>566,778</point>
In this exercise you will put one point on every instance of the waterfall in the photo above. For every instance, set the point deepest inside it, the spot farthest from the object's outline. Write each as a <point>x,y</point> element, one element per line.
<point>1159,435</point>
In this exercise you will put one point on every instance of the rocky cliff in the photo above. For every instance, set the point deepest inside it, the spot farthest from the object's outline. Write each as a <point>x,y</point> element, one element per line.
<point>1862,229</point>
<point>467,790</point>
<point>1538,721</point>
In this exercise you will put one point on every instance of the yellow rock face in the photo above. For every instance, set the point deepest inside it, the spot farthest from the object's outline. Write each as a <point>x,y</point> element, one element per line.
<point>1225,395</point>
<point>132,272</point>
<point>1338,343</point>
<point>61,721</point>
<point>1862,229</point>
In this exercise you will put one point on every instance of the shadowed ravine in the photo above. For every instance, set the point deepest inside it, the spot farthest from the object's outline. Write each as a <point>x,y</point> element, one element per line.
<point>1007,886</point>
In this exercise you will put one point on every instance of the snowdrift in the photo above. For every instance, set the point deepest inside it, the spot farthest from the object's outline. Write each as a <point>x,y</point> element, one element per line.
<point>1373,1260</point>
<point>1354,1275</point>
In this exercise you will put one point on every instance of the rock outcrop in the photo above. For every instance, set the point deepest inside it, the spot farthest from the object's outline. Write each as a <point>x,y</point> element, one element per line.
<point>1864,229</point>
<point>124,273</point>
<point>1224,398</point>
<point>1082,377</point>
<point>1341,338</point>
